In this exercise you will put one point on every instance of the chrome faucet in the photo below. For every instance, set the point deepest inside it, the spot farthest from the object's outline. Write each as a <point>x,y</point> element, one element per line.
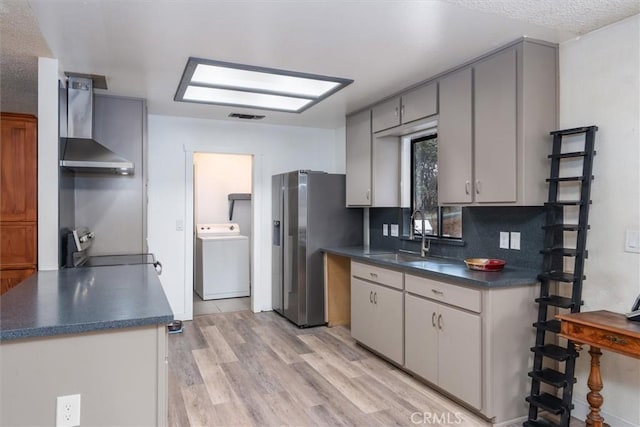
<point>426,244</point>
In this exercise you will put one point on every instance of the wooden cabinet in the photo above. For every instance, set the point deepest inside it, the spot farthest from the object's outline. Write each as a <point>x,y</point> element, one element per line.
<point>413,105</point>
<point>455,138</point>
<point>18,199</point>
<point>376,310</point>
<point>442,342</point>
<point>18,154</point>
<point>372,165</point>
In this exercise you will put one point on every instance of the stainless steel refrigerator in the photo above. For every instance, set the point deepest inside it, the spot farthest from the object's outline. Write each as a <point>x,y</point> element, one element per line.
<point>309,213</point>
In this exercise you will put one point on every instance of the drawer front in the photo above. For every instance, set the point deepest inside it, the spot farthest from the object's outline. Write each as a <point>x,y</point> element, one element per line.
<point>375,274</point>
<point>625,344</point>
<point>469,299</point>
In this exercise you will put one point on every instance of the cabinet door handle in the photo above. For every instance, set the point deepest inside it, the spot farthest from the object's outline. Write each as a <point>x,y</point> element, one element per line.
<point>402,111</point>
<point>368,195</point>
<point>433,319</point>
<point>477,187</point>
<point>437,292</point>
<point>397,111</point>
<point>467,187</point>
<point>371,297</point>
<point>373,275</point>
<point>375,298</point>
<point>440,321</point>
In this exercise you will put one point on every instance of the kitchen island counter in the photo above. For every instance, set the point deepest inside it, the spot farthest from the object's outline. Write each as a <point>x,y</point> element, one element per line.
<point>449,269</point>
<point>77,300</point>
<point>99,332</point>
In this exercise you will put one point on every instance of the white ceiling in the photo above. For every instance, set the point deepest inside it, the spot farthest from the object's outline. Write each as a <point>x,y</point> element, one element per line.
<point>385,46</point>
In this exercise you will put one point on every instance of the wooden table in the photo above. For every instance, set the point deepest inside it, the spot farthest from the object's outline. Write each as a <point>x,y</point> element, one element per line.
<point>600,329</point>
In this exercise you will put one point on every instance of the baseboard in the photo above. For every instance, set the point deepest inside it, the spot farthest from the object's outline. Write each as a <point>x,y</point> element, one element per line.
<point>515,421</point>
<point>181,316</point>
<point>581,409</point>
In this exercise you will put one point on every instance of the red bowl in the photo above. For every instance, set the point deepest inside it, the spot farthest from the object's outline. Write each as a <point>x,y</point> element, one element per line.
<point>485,264</point>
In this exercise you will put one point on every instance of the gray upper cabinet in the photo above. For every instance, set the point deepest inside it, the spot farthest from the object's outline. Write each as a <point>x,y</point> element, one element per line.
<point>455,138</point>
<point>411,106</point>
<point>386,115</point>
<point>495,106</point>
<point>419,103</point>
<point>372,165</point>
<point>494,115</point>
<point>501,159</point>
<point>358,159</point>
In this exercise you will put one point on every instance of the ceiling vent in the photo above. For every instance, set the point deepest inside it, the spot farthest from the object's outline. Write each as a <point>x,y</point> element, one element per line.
<point>246,116</point>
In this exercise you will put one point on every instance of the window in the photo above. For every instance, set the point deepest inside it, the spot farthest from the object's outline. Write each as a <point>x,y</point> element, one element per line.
<point>439,221</point>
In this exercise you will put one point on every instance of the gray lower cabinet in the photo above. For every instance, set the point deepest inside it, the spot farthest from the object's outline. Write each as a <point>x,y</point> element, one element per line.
<point>466,341</point>
<point>377,310</point>
<point>443,345</point>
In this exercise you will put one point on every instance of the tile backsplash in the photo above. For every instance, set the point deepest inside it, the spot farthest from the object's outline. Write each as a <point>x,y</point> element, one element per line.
<point>481,227</point>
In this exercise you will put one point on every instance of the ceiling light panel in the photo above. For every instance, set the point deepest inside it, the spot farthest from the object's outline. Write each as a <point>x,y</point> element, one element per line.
<point>211,95</point>
<point>245,79</point>
<point>224,83</point>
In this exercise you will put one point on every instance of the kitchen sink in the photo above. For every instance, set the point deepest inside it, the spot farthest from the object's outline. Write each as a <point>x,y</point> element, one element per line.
<point>397,257</point>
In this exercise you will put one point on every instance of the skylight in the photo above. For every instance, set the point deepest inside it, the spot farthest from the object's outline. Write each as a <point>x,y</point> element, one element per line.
<point>222,83</point>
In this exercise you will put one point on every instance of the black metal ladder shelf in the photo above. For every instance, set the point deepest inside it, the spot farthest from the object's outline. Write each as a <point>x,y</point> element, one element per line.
<point>557,400</point>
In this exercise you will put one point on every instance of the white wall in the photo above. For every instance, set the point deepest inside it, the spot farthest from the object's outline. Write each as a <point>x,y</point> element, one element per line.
<point>599,85</point>
<point>216,176</point>
<point>276,149</point>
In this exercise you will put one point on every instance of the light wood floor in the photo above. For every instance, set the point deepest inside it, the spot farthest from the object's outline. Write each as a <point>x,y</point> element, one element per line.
<point>241,368</point>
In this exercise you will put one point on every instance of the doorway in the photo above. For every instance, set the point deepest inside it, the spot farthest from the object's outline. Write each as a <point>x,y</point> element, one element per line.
<point>222,235</point>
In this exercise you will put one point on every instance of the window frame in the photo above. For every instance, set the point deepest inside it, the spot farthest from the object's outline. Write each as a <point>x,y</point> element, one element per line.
<point>438,235</point>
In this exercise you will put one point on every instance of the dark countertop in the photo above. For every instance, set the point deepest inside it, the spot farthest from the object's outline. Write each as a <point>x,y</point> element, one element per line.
<point>448,269</point>
<point>75,300</point>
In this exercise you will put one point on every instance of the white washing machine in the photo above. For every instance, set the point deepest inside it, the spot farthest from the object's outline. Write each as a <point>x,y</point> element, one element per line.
<point>222,262</point>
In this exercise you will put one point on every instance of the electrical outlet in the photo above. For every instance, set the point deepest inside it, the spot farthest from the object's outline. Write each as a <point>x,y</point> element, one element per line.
<point>632,241</point>
<point>504,240</point>
<point>515,240</point>
<point>394,230</point>
<point>385,229</point>
<point>68,411</point>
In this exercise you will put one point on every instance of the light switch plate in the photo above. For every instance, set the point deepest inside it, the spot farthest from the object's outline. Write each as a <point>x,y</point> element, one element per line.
<point>632,241</point>
<point>515,240</point>
<point>504,240</point>
<point>385,229</point>
<point>394,230</point>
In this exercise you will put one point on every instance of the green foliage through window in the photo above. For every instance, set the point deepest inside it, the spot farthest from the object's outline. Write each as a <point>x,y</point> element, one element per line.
<point>440,221</point>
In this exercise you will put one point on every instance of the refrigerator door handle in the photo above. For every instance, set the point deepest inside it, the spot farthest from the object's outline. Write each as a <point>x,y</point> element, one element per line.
<point>276,233</point>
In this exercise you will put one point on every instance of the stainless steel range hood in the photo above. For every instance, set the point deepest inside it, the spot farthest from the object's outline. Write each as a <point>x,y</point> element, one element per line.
<point>81,153</point>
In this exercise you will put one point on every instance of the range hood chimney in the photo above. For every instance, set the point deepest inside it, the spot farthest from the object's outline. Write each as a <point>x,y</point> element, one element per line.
<point>81,152</point>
